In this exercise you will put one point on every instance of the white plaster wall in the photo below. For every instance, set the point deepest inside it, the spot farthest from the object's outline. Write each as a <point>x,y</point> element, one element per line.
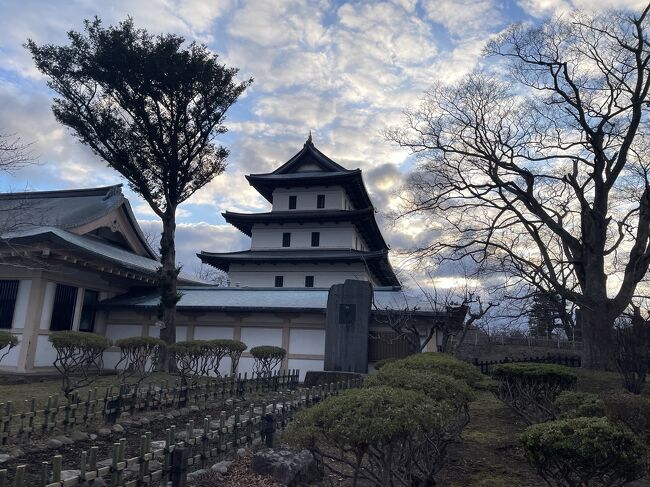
<point>116,332</point>
<point>306,342</point>
<point>111,358</point>
<point>12,357</point>
<point>254,337</point>
<point>334,236</point>
<point>22,305</point>
<point>205,332</point>
<point>306,198</point>
<point>45,353</point>
<point>306,365</point>
<point>246,365</point>
<point>181,333</point>
<point>325,275</point>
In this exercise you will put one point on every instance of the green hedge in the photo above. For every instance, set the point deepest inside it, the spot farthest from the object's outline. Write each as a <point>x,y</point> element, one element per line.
<point>572,404</point>
<point>584,451</point>
<point>268,351</point>
<point>530,389</point>
<point>564,377</point>
<point>78,339</point>
<point>139,342</point>
<point>436,386</point>
<point>228,345</point>
<point>440,363</point>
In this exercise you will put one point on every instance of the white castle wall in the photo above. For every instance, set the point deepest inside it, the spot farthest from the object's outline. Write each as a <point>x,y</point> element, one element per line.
<point>332,236</point>
<point>325,275</point>
<point>335,198</point>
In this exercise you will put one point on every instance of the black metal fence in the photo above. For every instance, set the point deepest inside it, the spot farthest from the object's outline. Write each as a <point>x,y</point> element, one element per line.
<point>568,361</point>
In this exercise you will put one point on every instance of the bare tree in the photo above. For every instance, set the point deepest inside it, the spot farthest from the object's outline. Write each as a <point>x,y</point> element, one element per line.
<point>452,311</point>
<point>14,153</point>
<point>211,275</point>
<point>541,171</point>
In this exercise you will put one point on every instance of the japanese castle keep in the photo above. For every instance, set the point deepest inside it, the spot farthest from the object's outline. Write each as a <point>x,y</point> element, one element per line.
<point>320,231</point>
<point>91,269</point>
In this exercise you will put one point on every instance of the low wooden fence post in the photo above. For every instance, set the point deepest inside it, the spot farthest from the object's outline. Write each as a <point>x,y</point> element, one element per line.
<point>179,467</point>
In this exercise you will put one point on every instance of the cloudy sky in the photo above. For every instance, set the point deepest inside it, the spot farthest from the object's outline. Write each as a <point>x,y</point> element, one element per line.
<point>344,70</point>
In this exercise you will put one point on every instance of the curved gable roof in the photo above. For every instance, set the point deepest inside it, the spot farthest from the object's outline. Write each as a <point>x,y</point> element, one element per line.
<point>67,210</point>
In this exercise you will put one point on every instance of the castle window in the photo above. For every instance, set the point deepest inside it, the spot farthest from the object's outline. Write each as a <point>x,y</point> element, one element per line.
<point>320,201</point>
<point>65,300</point>
<point>279,281</point>
<point>309,281</point>
<point>292,202</point>
<point>87,321</point>
<point>8,294</point>
<point>286,239</point>
<point>315,239</point>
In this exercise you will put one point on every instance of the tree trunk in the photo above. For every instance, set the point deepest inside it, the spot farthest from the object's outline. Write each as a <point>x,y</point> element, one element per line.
<point>598,340</point>
<point>168,284</point>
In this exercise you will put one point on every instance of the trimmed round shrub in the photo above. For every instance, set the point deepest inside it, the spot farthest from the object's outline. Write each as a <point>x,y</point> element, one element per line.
<point>632,410</point>
<point>138,357</point>
<point>530,389</point>
<point>235,349</point>
<point>572,404</point>
<point>436,386</point>
<point>267,358</point>
<point>139,342</point>
<point>78,339</point>
<point>383,435</point>
<point>78,357</point>
<point>190,358</point>
<point>440,363</point>
<point>385,361</point>
<point>584,451</point>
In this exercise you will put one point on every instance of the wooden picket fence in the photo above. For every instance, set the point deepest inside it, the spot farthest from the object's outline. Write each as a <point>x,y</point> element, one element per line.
<point>105,406</point>
<point>217,440</point>
<point>568,361</point>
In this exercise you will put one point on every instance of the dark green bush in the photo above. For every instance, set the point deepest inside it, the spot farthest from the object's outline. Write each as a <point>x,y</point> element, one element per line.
<point>632,410</point>
<point>584,452</point>
<point>138,357</point>
<point>385,361</point>
<point>78,357</point>
<point>530,389</point>
<point>381,435</point>
<point>440,363</point>
<point>457,394</point>
<point>78,339</point>
<point>139,342</point>
<point>267,358</point>
<point>438,387</point>
<point>572,404</point>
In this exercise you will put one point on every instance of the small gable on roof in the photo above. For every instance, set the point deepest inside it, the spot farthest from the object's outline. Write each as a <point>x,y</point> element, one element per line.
<point>309,159</point>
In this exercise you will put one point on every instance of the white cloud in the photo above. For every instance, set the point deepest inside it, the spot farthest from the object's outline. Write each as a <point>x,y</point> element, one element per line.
<point>465,18</point>
<point>543,8</point>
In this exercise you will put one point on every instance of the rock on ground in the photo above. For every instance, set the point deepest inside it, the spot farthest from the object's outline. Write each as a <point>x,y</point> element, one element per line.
<point>286,466</point>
